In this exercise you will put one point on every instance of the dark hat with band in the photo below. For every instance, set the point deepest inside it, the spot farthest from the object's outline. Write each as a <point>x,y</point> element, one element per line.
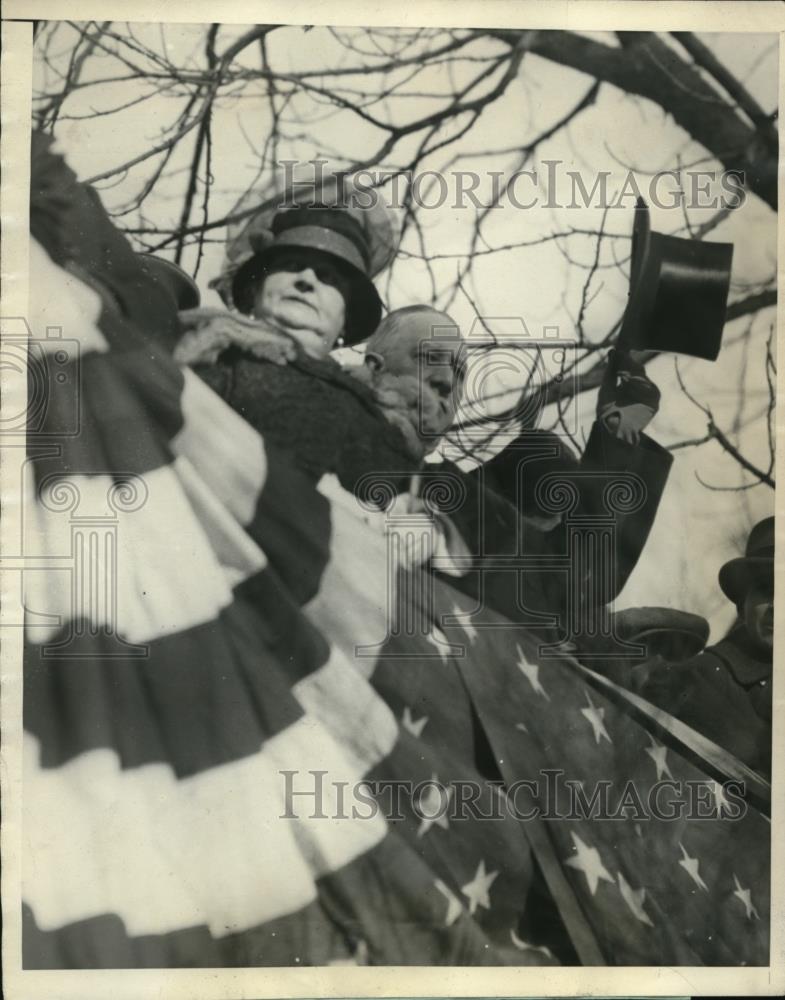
<point>331,231</point>
<point>172,278</point>
<point>755,566</point>
<point>678,292</point>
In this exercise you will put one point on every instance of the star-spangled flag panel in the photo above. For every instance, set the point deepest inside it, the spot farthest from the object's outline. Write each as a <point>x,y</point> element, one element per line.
<point>695,887</point>
<point>538,716</point>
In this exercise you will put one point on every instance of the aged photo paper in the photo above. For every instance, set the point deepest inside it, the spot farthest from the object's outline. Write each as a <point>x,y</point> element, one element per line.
<point>389,444</point>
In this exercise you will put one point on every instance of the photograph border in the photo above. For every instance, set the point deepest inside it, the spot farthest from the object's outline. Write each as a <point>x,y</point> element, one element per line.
<point>432,981</point>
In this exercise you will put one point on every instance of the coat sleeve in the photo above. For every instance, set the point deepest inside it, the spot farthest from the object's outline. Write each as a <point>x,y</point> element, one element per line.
<point>492,526</point>
<point>702,693</point>
<point>650,462</point>
<point>68,219</point>
<point>373,450</point>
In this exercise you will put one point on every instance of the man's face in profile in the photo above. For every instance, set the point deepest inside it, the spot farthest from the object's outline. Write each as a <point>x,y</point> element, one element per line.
<point>418,359</point>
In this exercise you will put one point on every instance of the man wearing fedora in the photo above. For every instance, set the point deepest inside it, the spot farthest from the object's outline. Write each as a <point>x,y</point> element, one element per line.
<point>725,691</point>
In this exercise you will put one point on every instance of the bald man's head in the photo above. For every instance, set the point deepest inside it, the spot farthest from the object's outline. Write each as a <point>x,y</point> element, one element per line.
<point>418,352</point>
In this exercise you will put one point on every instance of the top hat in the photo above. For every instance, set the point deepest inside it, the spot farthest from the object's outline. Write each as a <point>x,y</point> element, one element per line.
<point>329,230</point>
<point>172,278</point>
<point>757,563</point>
<point>678,292</point>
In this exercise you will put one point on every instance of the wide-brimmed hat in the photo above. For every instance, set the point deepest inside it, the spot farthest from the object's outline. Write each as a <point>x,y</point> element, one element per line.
<point>672,634</point>
<point>330,231</point>
<point>755,566</point>
<point>177,282</point>
<point>262,220</point>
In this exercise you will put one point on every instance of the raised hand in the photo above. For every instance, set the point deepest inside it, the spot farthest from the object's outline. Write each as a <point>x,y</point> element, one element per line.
<point>628,399</point>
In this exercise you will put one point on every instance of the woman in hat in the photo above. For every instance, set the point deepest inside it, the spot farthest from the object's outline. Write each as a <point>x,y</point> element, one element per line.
<point>305,289</point>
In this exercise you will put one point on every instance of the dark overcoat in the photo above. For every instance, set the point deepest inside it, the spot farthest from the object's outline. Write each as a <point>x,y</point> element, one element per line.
<point>723,692</point>
<point>492,525</point>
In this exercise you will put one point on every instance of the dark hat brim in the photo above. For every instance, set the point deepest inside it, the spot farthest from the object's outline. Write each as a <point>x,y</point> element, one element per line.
<point>738,575</point>
<point>673,643</point>
<point>181,285</point>
<point>363,310</point>
<point>672,633</point>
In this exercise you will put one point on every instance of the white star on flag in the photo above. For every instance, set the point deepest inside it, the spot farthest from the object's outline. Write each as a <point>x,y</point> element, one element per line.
<point>438,640</point>
<point>477,891</point>
<point>595,717</point>
<point>531,672</point>
<point>658,752</point>
<point>746,897</point>
<point>454,907</point>
<point>434,807</point>
<point>634,899</point>
<point>464,623</point>
<point>720,800</point>
<point>589,862</point>
<point>690,866</point>
<point>414,726</point>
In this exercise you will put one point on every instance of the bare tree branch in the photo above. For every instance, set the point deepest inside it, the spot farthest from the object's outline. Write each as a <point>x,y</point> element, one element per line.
<point>646,66</point>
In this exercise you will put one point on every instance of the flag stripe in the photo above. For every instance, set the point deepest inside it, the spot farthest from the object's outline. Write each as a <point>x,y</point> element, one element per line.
<point>341,926</point>
<point>198,698</point>
<point>103,942</point>
<point>224,449</point>
<point>114,560</point>
<point>142,844</point>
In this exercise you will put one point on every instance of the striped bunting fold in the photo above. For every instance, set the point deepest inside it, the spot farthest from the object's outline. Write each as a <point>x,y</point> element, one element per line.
<point>178,700</point>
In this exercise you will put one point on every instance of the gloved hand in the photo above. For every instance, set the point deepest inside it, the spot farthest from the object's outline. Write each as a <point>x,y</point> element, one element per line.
<point>628,399</point>
<point>209,331</point>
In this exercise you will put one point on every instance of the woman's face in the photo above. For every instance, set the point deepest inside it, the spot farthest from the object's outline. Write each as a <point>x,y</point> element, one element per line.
<point>306,294</point>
